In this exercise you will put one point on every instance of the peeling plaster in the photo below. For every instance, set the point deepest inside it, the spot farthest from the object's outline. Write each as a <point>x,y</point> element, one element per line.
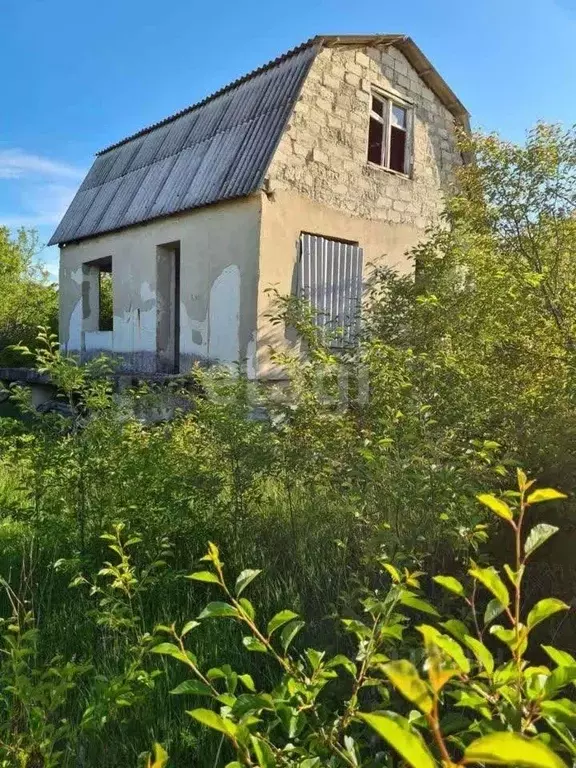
<point>193,334</point>
<point>218,285</point>
<point>74,343</point>
<point>135,328</point>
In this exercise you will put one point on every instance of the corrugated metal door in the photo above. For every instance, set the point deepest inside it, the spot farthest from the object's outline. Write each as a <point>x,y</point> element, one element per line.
<point>330,278</point>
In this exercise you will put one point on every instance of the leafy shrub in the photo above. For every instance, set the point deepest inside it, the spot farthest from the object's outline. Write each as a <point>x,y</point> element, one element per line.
<point>468,708</point>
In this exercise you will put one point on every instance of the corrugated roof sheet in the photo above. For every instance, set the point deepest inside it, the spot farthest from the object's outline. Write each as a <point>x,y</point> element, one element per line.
<point>215,150</point>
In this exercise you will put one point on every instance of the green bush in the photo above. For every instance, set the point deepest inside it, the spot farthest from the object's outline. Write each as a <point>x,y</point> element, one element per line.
<point>468,708</point>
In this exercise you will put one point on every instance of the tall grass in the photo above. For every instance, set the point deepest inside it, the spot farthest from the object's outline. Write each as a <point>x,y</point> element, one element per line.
<point>306,494</point>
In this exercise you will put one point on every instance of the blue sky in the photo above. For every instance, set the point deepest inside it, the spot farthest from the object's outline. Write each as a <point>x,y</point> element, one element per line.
<point>77,76</point>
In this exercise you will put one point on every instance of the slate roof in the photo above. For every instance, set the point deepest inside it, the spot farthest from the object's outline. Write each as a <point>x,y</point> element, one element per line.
<point>217,149</point>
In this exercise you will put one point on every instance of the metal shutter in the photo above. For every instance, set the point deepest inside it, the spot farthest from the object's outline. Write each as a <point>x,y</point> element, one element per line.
<point>330,278</point>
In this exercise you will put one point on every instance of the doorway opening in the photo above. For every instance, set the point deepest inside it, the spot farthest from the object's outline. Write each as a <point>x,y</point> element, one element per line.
<point>168,308</point>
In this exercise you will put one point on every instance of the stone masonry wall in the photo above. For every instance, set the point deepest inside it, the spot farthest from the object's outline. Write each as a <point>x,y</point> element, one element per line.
<point>323,153</point>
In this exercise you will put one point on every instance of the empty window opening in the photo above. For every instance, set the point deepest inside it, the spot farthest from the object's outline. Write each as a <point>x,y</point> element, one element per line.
<point>106,298</point>
<point>388,134</point>
<point>330,278</point>
<point>97,295</point>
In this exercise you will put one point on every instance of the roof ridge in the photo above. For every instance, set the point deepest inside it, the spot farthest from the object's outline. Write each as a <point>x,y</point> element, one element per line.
<point>219,92</point>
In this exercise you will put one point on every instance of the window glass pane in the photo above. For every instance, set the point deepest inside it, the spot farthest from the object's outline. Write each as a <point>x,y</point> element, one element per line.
<point>375,141</point>
<point>398,116</point>
<point>378,106</point>
<point>397,149</point>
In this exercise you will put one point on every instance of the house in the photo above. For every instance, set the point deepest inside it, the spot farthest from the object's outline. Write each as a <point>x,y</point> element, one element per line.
<point>298,175</point>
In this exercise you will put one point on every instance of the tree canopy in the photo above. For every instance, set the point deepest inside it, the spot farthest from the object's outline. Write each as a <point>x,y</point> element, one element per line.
<point>28,299</point>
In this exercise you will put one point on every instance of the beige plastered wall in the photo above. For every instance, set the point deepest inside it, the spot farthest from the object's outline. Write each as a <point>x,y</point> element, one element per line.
<point>320,182</point>
<point>218,287</point>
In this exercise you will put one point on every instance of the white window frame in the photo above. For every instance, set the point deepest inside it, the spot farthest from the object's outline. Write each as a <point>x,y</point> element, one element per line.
<point>385,119</point>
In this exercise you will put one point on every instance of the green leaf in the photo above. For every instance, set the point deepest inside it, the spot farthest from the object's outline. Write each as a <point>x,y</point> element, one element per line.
<point>314,657</point>
<point>497,506</point>
<point>545,494</point>
<point>512,749</point>
<point>195,687</point>
<point>212,720</point>
<point>190,625</point>
<point>493,609</point>
<point>247,682</point>
<point>450,647</point>
<point>544,609</point>
<point>451,584</point>
<point>514,576</point>
<point>160,758</point>
<point>562,658</point>
<point>252,643</point>
<point>559,678</point>
<point>393,572</point>
<point>457,628</point>
<point>206,576</point>
<point>510,638</point>
<point>218,610</point>
<point>490,579</point>
<point>537,536</point>
<point>247,607</point>
<point>249,702</point>
<point>263,753</point>
<point>407,742</point>
<point>244,579</point>
<point>563,710</point>
<point>342,661</point>
<point>482,654</point>
<point>410,600</point>
<point>213,554</point>
<point>405,678</point>
<point>470,700</point>
<point>169,649</point>
<point>522,478</point>
<point>281,618</point>
<point>289,633</point>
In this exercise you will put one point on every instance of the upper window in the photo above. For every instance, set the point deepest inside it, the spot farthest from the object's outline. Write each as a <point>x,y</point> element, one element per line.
<point>388,136</point>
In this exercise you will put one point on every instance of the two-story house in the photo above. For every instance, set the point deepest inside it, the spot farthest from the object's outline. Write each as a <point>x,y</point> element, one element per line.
<point>298,175</point>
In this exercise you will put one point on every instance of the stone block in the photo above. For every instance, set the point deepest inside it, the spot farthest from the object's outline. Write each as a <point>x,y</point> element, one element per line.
<point>401,66</point>
<point>362,59</point>
<point>319,157</point>
<point>299,149</point>
<point>353,79</point>
<point>403,82</point>
<point>331,82</point>
<point>317,116</point>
